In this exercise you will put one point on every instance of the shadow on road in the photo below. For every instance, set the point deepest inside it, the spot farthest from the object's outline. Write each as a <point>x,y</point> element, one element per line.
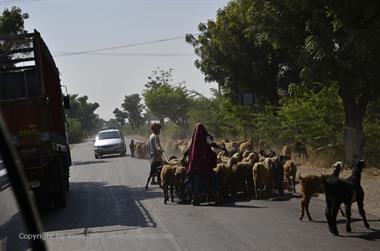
<point>286,197</point>
<point>369,236</point>
<point>90,162</point>
<point>97,204</point>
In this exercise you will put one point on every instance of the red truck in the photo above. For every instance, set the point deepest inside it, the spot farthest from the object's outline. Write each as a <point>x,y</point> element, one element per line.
<point>33,108</point>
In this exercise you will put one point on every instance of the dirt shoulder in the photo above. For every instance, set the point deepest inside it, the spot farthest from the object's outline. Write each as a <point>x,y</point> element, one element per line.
<point>370,183</point>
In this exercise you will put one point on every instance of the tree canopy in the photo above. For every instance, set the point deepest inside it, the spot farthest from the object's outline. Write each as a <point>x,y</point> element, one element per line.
<point>82,119</point>
<point>132,110</point>
<point>266,45</point>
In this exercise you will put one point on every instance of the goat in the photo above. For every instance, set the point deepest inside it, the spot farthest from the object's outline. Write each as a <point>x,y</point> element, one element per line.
<point>312,184</point>
<point>347,191</point>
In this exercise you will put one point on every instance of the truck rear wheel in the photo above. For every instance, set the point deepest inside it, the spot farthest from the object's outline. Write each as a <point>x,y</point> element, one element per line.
<point>42,200</point>
<point>59,196</point>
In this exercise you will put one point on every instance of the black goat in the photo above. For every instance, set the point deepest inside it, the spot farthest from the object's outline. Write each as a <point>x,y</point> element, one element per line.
<point>345,191</point>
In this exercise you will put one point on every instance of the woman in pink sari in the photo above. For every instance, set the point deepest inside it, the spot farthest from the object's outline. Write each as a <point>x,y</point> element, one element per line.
<point>202,159</point>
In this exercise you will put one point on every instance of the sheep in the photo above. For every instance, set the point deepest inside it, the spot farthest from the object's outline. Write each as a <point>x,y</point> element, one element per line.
<point>242,173</point>
<point>277,170</point>
<point>347,191</point>
<point>168,181</point>
<point>221,157</point>
<point>182,147</point>
<point>138,149</point>
<point>141,150</point>
<point>231,145</point>
<point>246,153</point>
<point>250,156</point>
<point>173,161</point>
<point>237,157</point>
<point>180,176</point>
<point>286,151</point>
<point>224,175</point>
<point>261,177</point>
<point>312,184</point>
<point>290,170</point>
<point>247,145</point>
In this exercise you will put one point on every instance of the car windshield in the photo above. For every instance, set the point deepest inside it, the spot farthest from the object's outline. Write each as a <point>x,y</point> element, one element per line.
<point>109,135</point>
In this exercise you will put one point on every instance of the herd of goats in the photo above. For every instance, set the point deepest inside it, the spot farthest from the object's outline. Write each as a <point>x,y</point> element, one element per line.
<point>241,170</point>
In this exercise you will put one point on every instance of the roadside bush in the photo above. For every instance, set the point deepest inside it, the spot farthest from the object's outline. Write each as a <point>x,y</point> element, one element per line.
<point>75,131</point>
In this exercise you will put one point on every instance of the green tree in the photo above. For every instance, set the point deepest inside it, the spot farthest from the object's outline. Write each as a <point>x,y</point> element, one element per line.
<point>83,110</point>
<point>330,42</point>
<point>120,116</point>
<point>233,53</point>
<point>11,23</point>
<point>342,47</point>
<point>75,132</point>
<point>167,101</point>
<point>132,110</point>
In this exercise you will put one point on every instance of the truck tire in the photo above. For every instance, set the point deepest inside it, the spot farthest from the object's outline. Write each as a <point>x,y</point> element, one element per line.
<point>42,201</point>
<point>59,196</point>
<point>67,177</point>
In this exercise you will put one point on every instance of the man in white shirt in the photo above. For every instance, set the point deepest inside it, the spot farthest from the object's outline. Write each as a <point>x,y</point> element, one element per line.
<point>155,153</point>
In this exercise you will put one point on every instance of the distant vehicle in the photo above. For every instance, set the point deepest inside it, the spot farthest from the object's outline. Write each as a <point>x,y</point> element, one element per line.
<point>32,106</point>
<point>109,141</point>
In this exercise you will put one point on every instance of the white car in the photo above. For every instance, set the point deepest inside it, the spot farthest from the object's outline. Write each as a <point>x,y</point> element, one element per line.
<point>109,141</point>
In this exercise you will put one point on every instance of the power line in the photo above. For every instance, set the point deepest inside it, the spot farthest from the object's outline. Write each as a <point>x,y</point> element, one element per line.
<point>142,54</point>
<point>94,2</point>
<point>12,2</point>
<point>120,46</point>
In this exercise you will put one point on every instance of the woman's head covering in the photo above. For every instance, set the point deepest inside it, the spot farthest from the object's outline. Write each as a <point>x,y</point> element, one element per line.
<point>201,158</point>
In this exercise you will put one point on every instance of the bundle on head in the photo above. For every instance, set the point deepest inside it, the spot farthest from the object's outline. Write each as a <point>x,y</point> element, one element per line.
<point>312,184</point>
<point>347,191</point>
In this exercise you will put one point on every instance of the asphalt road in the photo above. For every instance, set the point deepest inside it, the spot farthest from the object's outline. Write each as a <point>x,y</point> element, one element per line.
<point>109,209</point>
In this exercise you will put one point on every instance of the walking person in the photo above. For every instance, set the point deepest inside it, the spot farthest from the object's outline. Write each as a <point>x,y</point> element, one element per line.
<point>132,148</point>
<point>202,160</point>
<point>155,154</point>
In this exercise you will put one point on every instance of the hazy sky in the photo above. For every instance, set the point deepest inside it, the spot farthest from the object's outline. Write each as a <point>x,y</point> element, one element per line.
<point>79,25</point>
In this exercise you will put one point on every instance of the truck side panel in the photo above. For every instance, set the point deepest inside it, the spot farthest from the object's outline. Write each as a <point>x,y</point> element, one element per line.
<point>52,87</point>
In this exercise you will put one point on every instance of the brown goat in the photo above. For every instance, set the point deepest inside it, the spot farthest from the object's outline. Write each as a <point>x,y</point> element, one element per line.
<point>290,171</point>
<point>168,181</point>
<point>286,151</point>
<point>312,184</point>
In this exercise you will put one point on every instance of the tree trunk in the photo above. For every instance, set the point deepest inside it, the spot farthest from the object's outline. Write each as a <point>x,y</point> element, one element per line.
<point>162,121</point>
<point>353,143</point>
<point>354,116</point>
